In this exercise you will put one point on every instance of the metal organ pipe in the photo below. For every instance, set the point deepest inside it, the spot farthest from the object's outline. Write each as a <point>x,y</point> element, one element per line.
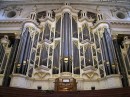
<point>22,52</point>
<point>105,56</point>
<point>25,38</point>
<point>66,41</point>
<point>27,50</point>
<point>107,61</point>
<point>110,50</point>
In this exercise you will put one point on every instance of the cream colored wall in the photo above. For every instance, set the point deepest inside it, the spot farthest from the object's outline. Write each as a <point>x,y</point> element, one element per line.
<point>111,81</point>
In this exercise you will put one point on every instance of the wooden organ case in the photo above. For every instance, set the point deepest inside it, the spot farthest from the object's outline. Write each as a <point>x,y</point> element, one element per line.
<point>65,84</point>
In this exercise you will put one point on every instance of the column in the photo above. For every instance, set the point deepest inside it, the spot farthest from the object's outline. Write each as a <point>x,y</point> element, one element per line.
<point>11,60</point>
<point>121,64</point>
<point>5,53</point>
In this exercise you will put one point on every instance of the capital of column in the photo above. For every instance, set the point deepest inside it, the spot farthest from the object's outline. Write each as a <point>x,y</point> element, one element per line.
<point>114,36</point>
<point>17,36</point>
<point>126,40</point>
<point>5,41</point>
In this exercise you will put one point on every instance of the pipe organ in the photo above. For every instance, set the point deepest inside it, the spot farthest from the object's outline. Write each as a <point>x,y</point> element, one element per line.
<point>65,44</point>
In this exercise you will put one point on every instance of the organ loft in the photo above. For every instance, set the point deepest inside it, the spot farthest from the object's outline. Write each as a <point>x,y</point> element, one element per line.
<point>65,46</point>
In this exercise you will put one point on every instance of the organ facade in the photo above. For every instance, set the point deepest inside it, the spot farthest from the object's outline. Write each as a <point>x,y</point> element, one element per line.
<point>88,43</point>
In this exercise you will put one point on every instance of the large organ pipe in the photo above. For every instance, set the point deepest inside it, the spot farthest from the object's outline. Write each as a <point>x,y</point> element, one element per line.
<point>26,55</point>
<point>107,64</point>
<point>66,43</point>
<point>110,50</point>
<point>21,51</point>
<point>105,56</point>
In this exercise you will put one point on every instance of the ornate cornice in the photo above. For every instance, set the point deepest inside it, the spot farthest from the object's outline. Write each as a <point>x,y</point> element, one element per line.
<point>120,22</point>
<point>11,21</point>
<point>74,2</point>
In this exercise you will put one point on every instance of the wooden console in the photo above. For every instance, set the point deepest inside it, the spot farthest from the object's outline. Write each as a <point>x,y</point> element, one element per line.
<point>65,84</point>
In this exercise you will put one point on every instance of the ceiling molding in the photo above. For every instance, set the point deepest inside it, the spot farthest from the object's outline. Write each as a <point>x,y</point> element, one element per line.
<point>72,2</point>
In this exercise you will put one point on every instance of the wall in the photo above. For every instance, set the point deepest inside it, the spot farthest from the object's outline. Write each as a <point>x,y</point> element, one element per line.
<point>112,81</point>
